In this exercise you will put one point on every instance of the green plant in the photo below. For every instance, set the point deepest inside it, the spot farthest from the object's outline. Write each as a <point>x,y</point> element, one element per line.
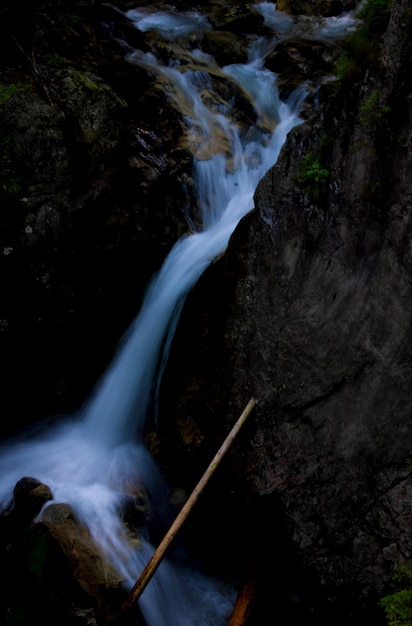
<point>374,111</point>
<point>375,15</point>
<point>7,91</point>
<point>374,115</point>
<point>346,68</point>
<point>55,59</point>
<point>362,47</point>
<point>314,178</point>
<point>326,142</point>
<point>398,605</point>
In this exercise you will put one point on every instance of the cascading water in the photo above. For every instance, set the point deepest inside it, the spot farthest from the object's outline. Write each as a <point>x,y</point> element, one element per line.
<point>94,460</point>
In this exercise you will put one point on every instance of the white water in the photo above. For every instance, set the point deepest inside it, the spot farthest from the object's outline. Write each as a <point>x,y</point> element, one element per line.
<point>97,459</point>
<point>170,25</point>
<point>283,25</point>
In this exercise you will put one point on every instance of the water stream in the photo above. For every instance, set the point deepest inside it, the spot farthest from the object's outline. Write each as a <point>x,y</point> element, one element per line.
<point>95,459</point>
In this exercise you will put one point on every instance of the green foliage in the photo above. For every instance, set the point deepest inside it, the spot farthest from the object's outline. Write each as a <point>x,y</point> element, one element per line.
<point>314,178</point>
<point>375,15</point>
<point>346,67</point>
<point>374,116</point>
<point>326,142</point>
<point>55,59</point>
<point>398,605</point>
<point>363,45</point>
<point>7,91</point>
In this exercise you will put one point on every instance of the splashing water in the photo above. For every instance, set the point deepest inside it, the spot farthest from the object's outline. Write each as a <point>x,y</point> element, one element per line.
<point>327,28</point>
<point>170,25</point>
<point>95,460</point>
<point>225,196</point>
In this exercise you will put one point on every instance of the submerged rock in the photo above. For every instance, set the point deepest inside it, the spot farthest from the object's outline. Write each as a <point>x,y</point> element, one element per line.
<point>86,562</point>
<point>30,495</point>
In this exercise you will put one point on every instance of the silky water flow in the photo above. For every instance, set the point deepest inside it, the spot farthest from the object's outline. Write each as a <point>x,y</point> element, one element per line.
<point>93,459</point>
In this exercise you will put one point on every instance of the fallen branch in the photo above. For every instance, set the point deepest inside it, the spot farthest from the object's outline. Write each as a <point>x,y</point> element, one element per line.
<point>153,564</point>
<point>244,601</point>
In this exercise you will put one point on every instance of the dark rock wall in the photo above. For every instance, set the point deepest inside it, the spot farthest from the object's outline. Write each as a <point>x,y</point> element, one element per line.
<point>315,322</point>
<point>330,321</point>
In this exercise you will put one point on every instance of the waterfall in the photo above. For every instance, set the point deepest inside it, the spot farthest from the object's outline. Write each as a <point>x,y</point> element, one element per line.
<point>117,410</point>
<point>91,460</point>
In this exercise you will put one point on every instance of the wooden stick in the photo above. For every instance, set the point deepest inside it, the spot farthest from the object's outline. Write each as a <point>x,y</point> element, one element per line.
<point>244,601</point>
<point>153,564</point>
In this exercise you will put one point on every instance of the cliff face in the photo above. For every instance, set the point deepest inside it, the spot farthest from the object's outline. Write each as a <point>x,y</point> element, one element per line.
<point>329,333</point>
<point>317,326</point>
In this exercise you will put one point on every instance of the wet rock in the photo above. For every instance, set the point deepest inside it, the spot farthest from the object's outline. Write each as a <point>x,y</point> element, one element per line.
<point>236,18</point>
<point>52,569</point>
<point>329,354</point>
<point>225,47</point>
<point>37,146</point>
<point>298,62</point>
<point>85,561</point>
<point>29,497</point>
<point>318,7</point>
<point>90,188</point>
<point>92,114</point>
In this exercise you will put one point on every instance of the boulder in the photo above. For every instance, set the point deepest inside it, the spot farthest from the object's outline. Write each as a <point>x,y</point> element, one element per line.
<point>300,61</point>
<point>85,561</point>
<point>30,495</point>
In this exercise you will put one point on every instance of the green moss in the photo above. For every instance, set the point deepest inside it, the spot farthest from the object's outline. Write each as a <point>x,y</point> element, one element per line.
<point>8,91</point>
<point>80,79</point>
<point>398,605</point>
